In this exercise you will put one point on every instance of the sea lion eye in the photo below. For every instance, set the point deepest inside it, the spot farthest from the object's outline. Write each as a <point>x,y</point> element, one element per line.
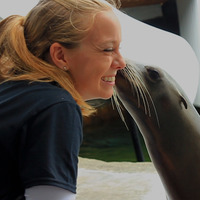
<point>153,73</point>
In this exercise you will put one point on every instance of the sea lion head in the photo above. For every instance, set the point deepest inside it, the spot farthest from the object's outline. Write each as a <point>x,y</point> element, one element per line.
<point>147,92</point>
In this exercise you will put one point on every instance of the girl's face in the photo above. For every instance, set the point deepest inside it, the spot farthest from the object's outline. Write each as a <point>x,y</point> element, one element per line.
<point>94,64</point>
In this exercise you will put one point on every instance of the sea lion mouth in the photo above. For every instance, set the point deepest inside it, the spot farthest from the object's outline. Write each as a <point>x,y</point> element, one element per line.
<point>129,82</point>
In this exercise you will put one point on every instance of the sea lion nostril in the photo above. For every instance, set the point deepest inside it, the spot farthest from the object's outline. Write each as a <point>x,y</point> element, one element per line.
<point>153,74</point>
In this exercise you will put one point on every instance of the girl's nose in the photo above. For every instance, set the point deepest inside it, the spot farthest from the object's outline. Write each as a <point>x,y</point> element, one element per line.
<point>119,62</point>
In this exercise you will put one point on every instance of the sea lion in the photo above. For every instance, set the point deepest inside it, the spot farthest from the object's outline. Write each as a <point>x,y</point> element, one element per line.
<point>169,124</point>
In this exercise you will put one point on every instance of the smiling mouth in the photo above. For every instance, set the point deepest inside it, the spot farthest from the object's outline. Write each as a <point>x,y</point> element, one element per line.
<point>108,79</point>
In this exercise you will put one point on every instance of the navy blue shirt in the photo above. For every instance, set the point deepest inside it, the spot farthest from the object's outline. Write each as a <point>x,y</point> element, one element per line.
<point>40,137</point>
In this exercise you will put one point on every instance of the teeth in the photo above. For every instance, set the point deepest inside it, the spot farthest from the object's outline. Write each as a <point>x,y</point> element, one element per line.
<point>109,79</point>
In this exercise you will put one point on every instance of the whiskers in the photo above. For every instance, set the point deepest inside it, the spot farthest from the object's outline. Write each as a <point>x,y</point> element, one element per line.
<point>142,94</point>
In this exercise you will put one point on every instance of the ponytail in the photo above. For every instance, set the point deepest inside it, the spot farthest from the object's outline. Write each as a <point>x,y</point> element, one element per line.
<point>18,63</point>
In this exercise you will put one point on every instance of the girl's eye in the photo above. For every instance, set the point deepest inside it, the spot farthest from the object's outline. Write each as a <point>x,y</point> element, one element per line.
<point>108,50</point>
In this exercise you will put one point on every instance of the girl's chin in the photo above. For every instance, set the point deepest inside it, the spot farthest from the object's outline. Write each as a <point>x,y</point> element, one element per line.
<point>107,95</point>
<point>100,93</point>
<point>102,96</point>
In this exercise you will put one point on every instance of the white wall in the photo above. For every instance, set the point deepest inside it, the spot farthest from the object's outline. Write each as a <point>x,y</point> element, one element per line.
<point>189,20</point>
<point>160,48</point>
<point>18,7</point>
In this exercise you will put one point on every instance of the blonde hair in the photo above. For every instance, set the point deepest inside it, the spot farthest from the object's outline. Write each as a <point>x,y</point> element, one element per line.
<point>25,41</point>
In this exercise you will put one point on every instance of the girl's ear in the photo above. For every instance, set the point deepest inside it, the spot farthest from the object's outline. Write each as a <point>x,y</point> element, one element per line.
<point>58,57</point>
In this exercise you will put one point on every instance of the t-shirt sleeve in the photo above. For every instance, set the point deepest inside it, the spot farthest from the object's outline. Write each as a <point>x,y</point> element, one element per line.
<point>49,153</point>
